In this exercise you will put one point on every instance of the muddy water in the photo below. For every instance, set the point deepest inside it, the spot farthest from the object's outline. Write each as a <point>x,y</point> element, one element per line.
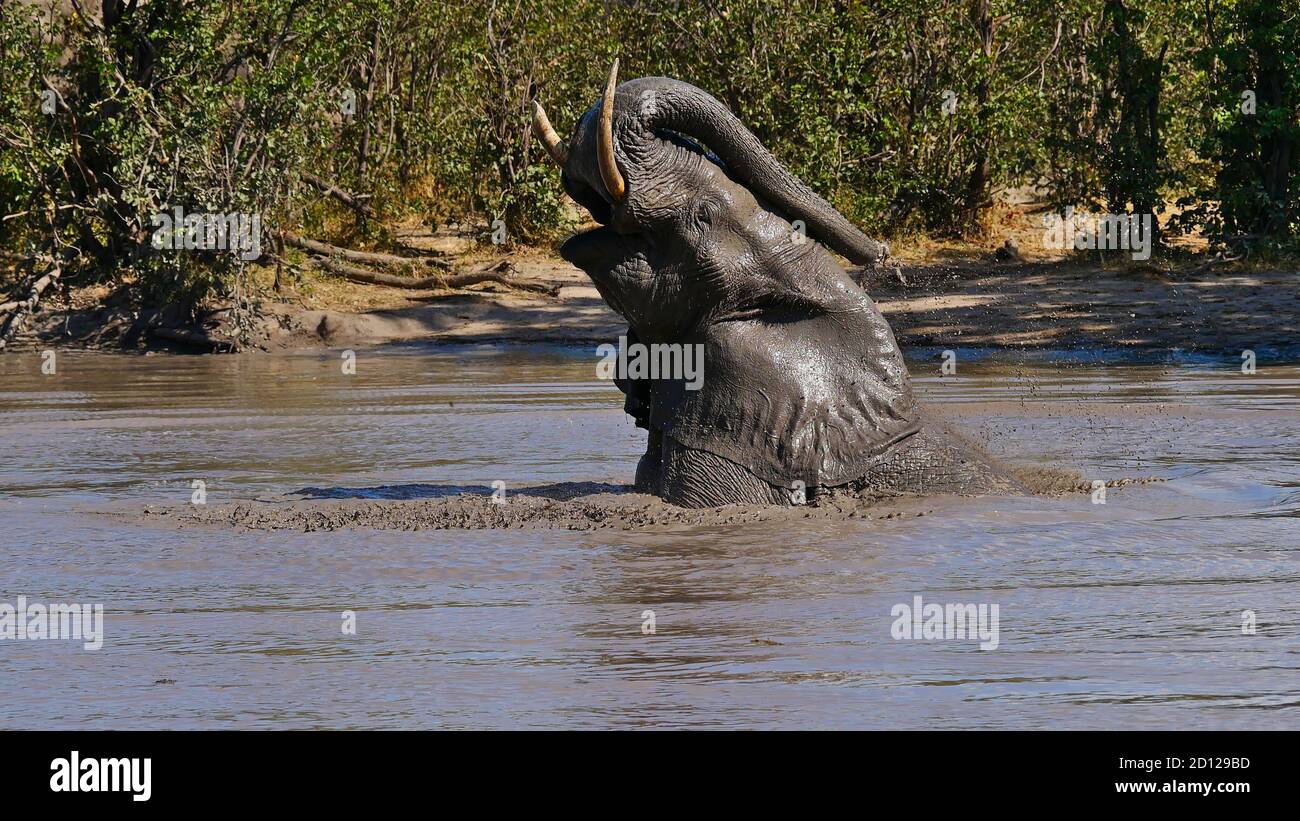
<point>1123,614</point>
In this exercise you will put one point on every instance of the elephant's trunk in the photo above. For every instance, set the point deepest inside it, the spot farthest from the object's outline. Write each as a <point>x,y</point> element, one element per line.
<point>680,107</point>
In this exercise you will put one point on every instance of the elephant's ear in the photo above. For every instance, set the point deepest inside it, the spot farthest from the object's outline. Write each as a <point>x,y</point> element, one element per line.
<point>796,396</point>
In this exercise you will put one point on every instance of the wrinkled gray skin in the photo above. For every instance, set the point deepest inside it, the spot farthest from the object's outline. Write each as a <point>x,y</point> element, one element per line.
<point>803,381</point>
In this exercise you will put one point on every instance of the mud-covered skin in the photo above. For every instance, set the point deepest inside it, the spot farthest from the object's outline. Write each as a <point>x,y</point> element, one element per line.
<point>725,249</point>
<point>697,478</point>
<point>934,460</point>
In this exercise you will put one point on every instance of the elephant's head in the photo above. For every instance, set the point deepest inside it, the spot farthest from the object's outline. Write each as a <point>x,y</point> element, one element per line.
<point>698,244</point>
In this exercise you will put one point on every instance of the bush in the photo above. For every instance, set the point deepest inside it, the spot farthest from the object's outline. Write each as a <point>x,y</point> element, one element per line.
<point>909,116</point>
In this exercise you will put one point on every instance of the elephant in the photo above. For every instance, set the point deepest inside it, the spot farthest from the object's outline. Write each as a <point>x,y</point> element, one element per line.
<point>705,239</point>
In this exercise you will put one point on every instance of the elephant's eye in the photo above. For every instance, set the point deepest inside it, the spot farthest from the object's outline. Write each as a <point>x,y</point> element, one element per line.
<point>706,210</point>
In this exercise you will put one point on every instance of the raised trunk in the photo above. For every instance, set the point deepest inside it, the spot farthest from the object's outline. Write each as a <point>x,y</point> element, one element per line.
<point>679,107</point>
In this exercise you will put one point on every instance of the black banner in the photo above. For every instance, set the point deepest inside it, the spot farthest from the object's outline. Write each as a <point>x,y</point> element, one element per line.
<point>148,770</point>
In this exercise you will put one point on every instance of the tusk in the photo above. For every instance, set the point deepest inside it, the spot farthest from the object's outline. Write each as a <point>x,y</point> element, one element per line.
<point>608,170</point>
<point>554,145</point>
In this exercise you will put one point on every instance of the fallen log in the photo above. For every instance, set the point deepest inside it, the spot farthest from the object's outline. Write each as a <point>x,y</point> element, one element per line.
<point>369,277</point>
<point>44,282</point>
<point>23,308</point>
<point>325,249</point>
<point>496,272</point>
<point>349,199</point>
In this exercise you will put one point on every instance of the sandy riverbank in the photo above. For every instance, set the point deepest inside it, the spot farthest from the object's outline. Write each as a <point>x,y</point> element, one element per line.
<point>959,295</point>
